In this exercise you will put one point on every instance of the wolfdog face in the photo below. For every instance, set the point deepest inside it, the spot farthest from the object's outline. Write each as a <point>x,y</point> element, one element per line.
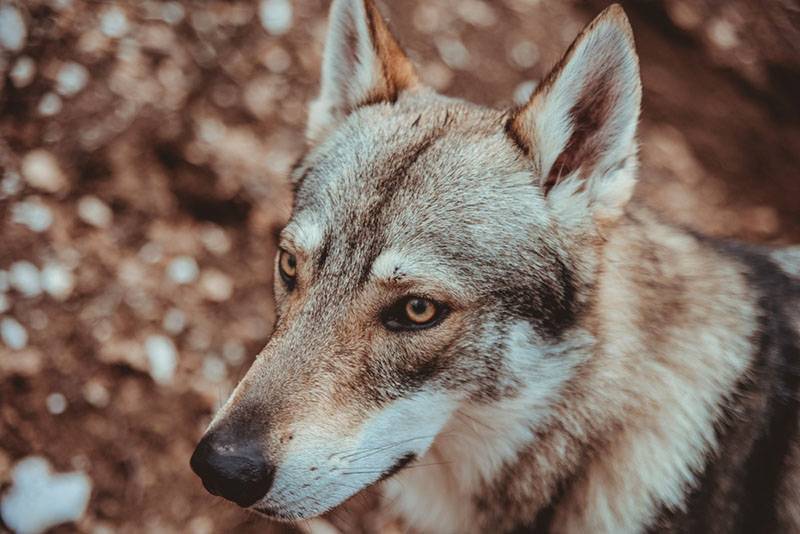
<point>438,257</point>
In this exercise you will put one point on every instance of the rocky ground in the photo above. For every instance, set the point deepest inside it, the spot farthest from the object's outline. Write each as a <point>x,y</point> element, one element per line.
<point>144,147</point>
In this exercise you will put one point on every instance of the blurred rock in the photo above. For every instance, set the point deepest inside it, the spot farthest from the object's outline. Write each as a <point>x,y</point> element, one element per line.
<point>23,72</point>
<point>114,22</point>
<point>14,334</point>
<point>94,211</point>
<point>57,281</point>
<point>162,357</point>
<point>33,214</point>
<point>42,171</point>
<point>183,270</point>
<point>275,16</point>
<point>50,105</point>
<point>39,499</point>
<point>216,285</point>
<point>56,403</point>
<point>72,78</point>
<point>24,277</point>
<point>12,28</point>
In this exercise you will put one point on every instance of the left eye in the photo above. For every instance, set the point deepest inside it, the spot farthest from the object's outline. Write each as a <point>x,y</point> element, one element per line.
<point>287,265</point>
<point>413,313</point>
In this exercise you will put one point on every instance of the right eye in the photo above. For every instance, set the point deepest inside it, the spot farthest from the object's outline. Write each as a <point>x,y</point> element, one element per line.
<point>287,266</point>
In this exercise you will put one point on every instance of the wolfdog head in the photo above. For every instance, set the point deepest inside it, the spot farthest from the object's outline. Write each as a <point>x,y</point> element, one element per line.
<point>438,258</point>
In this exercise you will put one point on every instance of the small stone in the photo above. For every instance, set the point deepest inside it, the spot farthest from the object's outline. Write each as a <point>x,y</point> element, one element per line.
<point>22,72</point>
<point>233,352</point>
<point>71,79</point>
<point>56,403</point>
<point>216,285</point>
<point>114,23</point>
<point>172,12</point>
<point>33,214</point>
<point>14,334</point>
<point>524,91</point>
<point>4,281</point>
<point>96,394</point>
<point>12,28</point>
<point>183,270</point>
<point>162,357</point>
<point>24,277</point>
<point>216,240</point>
<point>275,16</point>
<point>42,171</point>
<point>11,183</point>
<point>39,499</point>
<point>174,321</point>
<point>57,281</point>
<point>150,252</point>
<point>524,54</point>
<point>453,52</point>
<point>214,369</point>
<point>5,304</point>
<point>94,211</point>
<point>50,105</point>
<point>277,60</point>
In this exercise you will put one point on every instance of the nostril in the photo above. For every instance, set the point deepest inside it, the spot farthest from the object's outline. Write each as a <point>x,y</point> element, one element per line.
<point>237,472</point>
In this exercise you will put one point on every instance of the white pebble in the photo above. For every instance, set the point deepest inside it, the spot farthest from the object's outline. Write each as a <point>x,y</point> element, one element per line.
<point>277,60</point>
<point>114,23</point>
<point>453,52</point>
<point>183,270</point>
<point>524,91</point>
<point>162,357</point>
<point>71,78</point>
<point>233,352</point>
<point>24,277</point>
<point>23,72</point>
<point>96,394</point>
<point>11,184</point>
<point>216,240</point>
<point>14,334</point>
<point>12,28</point>
<point>94,211</point>
<point>4,282</point>
<point>42,171</point>
<point>174,321</point>
<point>276,16</point>
<point>33,214</point>
<point>172,12</point>
<point>56,403</point>
<point>50,105</point>
<point>57,281</point>
<point>214,369</point>
<point>5,305</point>
<point>524,54</point>
<point>39,499</point>
<point>150,252</point>
<point>216,285</point>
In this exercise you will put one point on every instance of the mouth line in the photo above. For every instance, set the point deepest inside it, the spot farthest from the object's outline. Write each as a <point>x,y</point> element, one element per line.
<point>401,462</point>
<point>282,514</point>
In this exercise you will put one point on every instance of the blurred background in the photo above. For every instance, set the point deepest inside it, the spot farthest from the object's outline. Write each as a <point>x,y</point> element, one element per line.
<point>144,148</point>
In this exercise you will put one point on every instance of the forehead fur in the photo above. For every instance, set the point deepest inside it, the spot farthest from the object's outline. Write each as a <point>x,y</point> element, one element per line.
<point>426,172</point>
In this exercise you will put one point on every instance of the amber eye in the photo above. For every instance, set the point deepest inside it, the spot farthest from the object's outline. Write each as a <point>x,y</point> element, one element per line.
<point>420,311</point>
<point>287,265</point>
<point>413,313</point>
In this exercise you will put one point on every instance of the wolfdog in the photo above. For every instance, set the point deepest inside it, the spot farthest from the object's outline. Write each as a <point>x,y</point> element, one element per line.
<point>475,320</point>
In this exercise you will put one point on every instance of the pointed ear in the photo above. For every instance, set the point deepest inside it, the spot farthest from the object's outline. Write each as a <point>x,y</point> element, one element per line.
<point>579,126</point>
<point>362,64</point>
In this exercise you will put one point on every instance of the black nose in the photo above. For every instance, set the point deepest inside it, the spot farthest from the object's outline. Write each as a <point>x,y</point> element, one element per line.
<point>232,469</point>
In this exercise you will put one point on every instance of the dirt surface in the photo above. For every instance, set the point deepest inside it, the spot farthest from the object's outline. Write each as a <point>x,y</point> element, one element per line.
<point>144,147</point>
